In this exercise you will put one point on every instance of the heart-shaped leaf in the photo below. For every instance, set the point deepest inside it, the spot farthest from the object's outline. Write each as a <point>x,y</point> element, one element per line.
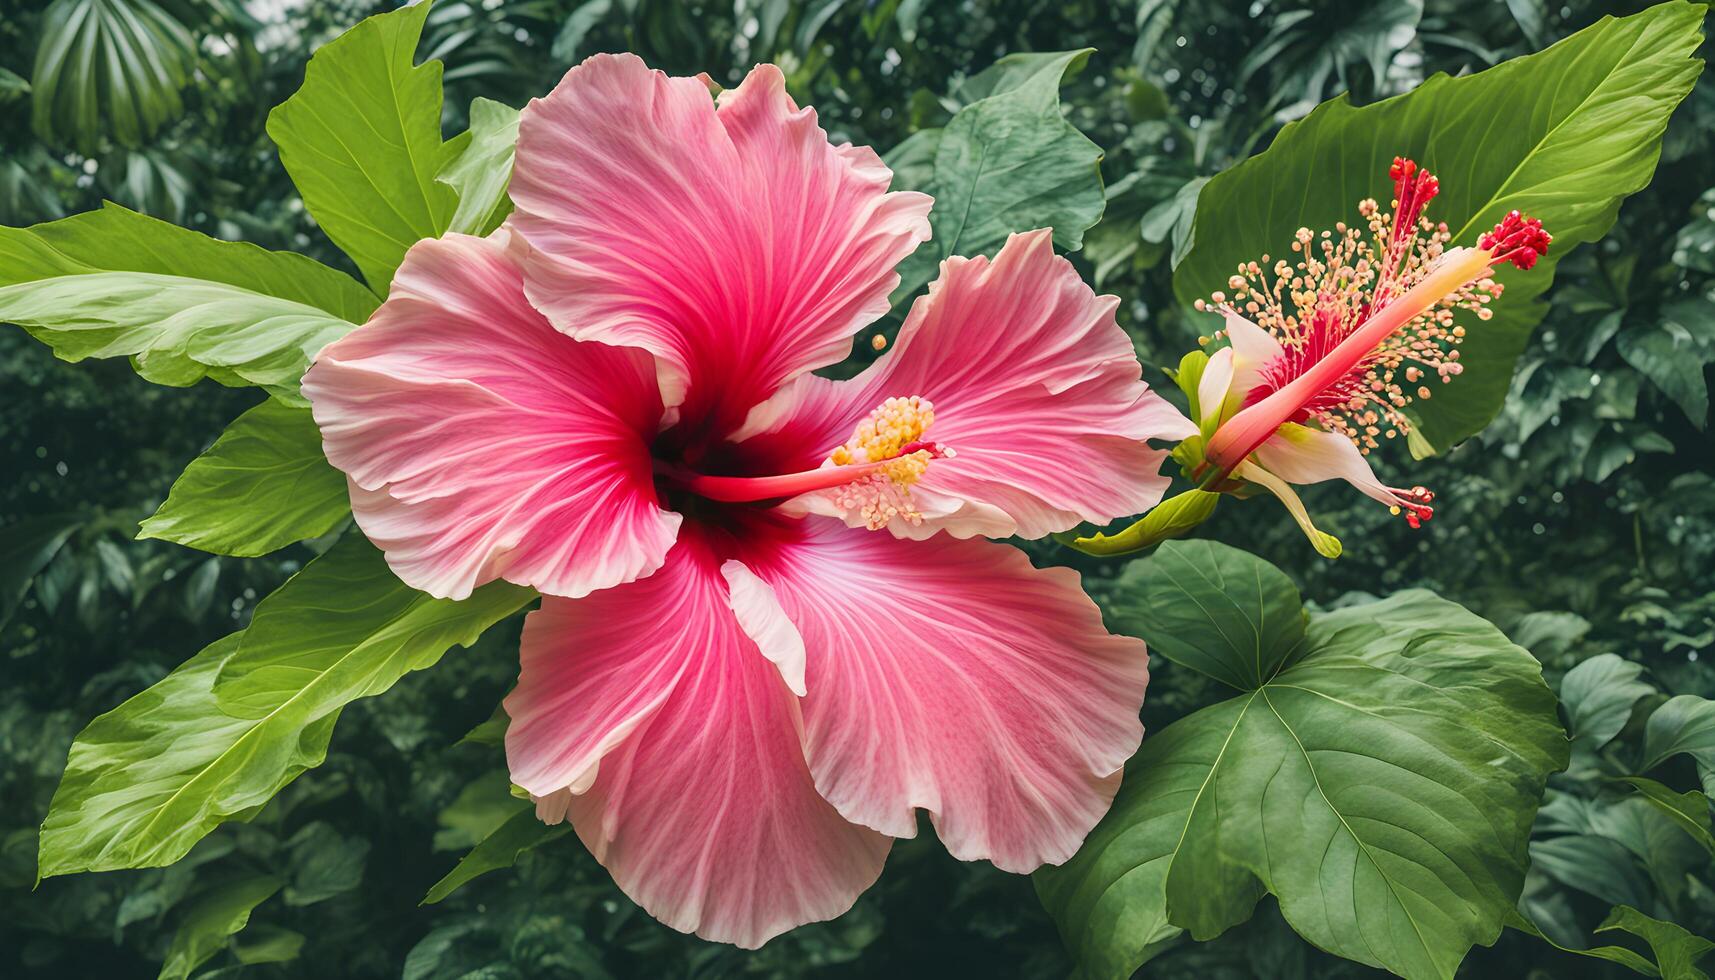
<point>1378,773</point>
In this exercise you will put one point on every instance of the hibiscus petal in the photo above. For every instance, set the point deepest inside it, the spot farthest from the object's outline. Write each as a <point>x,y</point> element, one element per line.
<point>1217,396</point>
<point>1300,454</point>
<point>481,443</point>
<point>702,806</point>
<point>950,675</point>
<point>1253,349</point>
<point>738,246</point>
<point>1035,387</point>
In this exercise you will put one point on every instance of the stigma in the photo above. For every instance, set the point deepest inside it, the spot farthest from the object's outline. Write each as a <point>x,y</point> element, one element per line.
<point>891,455</point>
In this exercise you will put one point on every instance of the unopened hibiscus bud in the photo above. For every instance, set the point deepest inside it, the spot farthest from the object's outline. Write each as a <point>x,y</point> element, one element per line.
<point>1327,351</point>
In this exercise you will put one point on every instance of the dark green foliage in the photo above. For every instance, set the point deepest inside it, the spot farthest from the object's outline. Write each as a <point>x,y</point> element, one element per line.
<point>1582,521</point>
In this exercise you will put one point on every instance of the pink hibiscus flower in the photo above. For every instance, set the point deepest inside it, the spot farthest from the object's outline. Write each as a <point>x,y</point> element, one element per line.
<point>769,632</point>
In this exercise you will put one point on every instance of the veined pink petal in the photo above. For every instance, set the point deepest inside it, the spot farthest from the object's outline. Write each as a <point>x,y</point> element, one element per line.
<point>480,443</point>
<point>701,805</point>
<point>950,675</point>
<point>1035,388</point>
<point>738,246</point>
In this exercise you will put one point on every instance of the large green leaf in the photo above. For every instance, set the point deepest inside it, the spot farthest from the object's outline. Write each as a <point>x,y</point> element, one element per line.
<point>362,142</point>
<point>1565,135</point>
<point>1381,782</point>
<point>181,305</point>
<point>263,485</point>
<point>1008,162</point>
<point>211,920</point>
<point>109,66</point>
<point>219,736</point>
<point>1197,602</point>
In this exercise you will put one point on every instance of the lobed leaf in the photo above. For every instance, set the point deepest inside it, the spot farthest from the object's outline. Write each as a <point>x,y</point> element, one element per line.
<point>1380,780</point>
<point>362,141</point>
<point>1007,162</point>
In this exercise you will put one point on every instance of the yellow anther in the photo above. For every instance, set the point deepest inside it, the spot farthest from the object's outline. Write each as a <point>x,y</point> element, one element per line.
<point>897,423</point>
<point>884,493</point>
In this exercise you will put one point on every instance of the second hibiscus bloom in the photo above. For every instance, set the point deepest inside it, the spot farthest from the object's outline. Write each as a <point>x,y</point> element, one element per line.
<point>770,632</point>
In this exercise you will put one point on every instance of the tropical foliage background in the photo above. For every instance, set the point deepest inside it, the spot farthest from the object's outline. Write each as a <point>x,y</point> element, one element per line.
<point>1581,522</point>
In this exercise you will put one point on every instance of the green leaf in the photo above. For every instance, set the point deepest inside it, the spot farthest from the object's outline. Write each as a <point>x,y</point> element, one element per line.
<point>181,305</point>
<point>480,174</point>
<point>267,944</point>
<point>211,920</point>
<point>1172,518</point>
<point>344,628</point>
<point>1689,810</point>
<point>1613,954</point>
<point>25,549</point>
<point>1598,695</point>
<point>219,736</point>
<point>263,485</point>
<point>500,849</point>
<point>1673,351</point>
<point>324,863</point>
<point>109,67</point>
<point>1684,723</point>
<point>362,141</point>
<point>1215,609</point>
<point>1381,782</point>
<point>1565,135</point>
<point>1008,162</point>
<point>1676,951</point>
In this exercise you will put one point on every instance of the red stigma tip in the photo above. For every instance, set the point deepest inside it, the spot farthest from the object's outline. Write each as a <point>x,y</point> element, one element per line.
<point>1415,505</point>
<point>1413,189</point>
<point>1517,239</point>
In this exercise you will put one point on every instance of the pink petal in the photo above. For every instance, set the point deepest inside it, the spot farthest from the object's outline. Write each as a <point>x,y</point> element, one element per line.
<point>950,675</point>
<point>1216,393</point>
<point>1253,349</point>
<point>1035,387</point>
<point>481,443</point>
<point>737,245</point>
<point>1300,454</point>
<point>701,806</point>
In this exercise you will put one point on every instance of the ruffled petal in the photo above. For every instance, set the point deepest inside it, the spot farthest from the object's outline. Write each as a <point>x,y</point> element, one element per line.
<point>480,443</point>
<point>1034,386</point>
<point>1300,454</point>
<point>950,675</point>
<point>647,717</point>
<point>738,246</point>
